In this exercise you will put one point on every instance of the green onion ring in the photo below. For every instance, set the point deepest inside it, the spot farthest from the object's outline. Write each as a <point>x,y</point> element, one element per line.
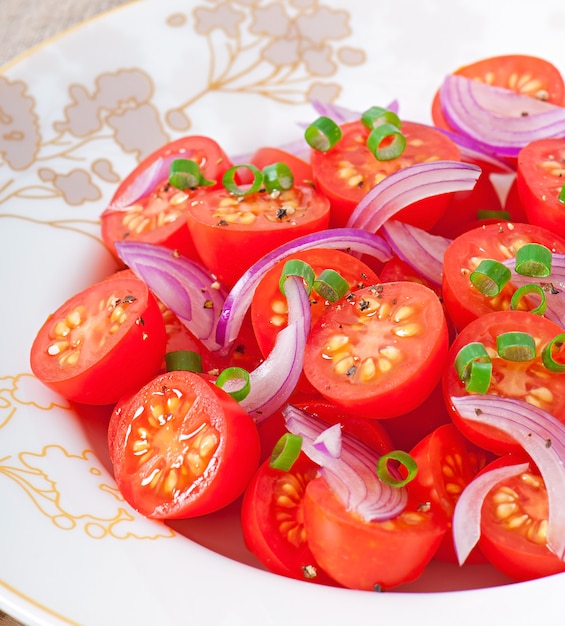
<point>228,180</point>
<point>297,267</point>
<point>516,346</point>
<point>323,134</point>
<point>235,373</point>
<point>185,360</point>
<point>286,451</point>
<point>277,177</point>
<point>524,291</point>
<point>376,116</point>
<point>490,277</point>
<point>547,354</point>
<point>403,458</point>
<point>395,142</point>
<point>331,285</point>
<point>533,259</point>
<point>485,214</point>
<point>562,194</point>
<point>474,367</point>
<point>186,174</point>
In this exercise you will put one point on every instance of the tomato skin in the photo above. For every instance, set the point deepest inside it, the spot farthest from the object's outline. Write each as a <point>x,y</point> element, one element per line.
<point>333,170</point>
<point>368,555</point>
<point>343,350</point>
<point>539,182</point>
<point>229,245</point>
<point>160,215</point>
<point>509,378</point>
<point>272,520</point>
<point>506,545</point>
<point>191,405</point>
<point>103,372</point>
<point>498,241</point>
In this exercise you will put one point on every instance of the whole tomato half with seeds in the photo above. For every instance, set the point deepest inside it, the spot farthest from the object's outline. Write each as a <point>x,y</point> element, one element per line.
<point>102,343</point>
<point>379,352</point>
<point>182,447</point>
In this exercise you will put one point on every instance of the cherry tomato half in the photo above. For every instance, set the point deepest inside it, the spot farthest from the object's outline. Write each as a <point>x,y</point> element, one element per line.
<point>379,353</point>
<point>102,343</point>
<point>182,447</point>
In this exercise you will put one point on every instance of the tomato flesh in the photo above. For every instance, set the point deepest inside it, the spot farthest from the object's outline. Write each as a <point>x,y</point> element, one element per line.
<point>182,447</point>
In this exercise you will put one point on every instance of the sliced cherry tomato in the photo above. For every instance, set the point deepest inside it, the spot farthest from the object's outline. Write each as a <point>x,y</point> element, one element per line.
<point>447,463</point>
<point>499,242</point>
<point>102,343</point>
<point>267,155</point>
<point>514,522</point>
<point>233,232</point>
<point>368,555</point>
<point>182,447</point>
<point>269,309</point>
<point>527,380</point>
<point>380,352</point>
<point>513,204</point>
<point>159,215</point>
<point>347,171</point>
<point>272,520</point>
<point>525,74</point>
<point>541,168</point>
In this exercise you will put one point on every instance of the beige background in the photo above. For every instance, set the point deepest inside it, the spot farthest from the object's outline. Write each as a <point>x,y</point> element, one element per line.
<point>25,24</point>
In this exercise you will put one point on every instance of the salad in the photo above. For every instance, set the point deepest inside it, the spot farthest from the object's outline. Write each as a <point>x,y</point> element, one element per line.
<point>355,338</point>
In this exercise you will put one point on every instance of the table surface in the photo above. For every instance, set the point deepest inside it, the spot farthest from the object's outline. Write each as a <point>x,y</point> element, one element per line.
<point>21,28</point>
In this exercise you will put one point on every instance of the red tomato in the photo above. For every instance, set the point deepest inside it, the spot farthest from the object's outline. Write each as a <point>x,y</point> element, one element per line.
<point>380,352</point>
<point>513,525</point>
<point>528,75</point>
<point>159,216</point>
<point>301,169</point>
<point>272,520</point>
<point>232,233</point>
<point>102,343</point>
<point>513,204</point>
<point>500,242</point>
<point>269,309</point>
<point>527,380</point>
<point>447,463</point>
<point>346,172</point>
<point>182,447</point>
<point>368,555</point>
<point>540,181</point>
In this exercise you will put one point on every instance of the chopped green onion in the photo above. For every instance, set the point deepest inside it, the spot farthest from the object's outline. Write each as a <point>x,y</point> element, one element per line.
<point>331,285</point>
<point>323,134</point>
<point>286,451</point>
<point>375,116</point>
<point>562,194</point>
<point>235,373</point>
<point>547,354</point>
<point>533,259</point>
<point>485,214</point>
<point>228,180</point>
<point>277,177</point>
<point>186,360</point>
<point>516,346</point>
<point>490,277</point>
<point>392,138</point>
<point>403,458</point>
<point>526,290</point>
<point>474,367</point>
<point>297,267</point>
<point>186,174</point>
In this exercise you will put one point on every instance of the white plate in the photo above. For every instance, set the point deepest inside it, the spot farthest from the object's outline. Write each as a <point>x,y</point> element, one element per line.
<point>75,115</point>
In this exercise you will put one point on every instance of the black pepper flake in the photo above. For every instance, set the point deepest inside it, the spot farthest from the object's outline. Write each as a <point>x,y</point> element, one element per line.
<point>129,299</point>
<point>378,588</point>
<point>548,443</point>
<point>222,223</point>
<point>281,213</point>
<point>478,412</point>
<point>140,321</point>
<point>394,301</point>
<point>240,349</point>
<point>361,184</point>
<point>208,304</point>
<point>351,371</point>
<point>364,304</point>
<point>524,113</point>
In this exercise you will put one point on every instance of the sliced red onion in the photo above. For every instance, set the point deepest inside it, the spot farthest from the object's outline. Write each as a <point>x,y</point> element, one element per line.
<point>329,441</point>
<point>184,286</point>
<point>552,285</point>
<point>499,119</point>
<point>239,298</point>
<point>541,435</point>
<point>352,475</point>
<point>420,249</point>
<point>143,184</point>
<point>408,185</point>
<point>275,379</point>
<point>466,521</point>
